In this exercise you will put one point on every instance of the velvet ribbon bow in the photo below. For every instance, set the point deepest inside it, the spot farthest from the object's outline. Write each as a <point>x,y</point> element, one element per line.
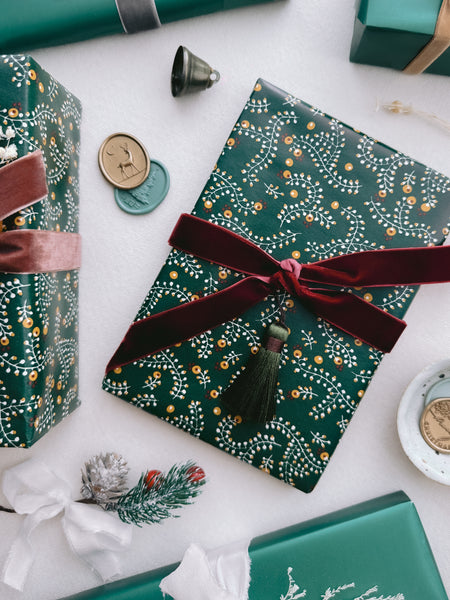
<point>23,183</point>
<point>373,268</point>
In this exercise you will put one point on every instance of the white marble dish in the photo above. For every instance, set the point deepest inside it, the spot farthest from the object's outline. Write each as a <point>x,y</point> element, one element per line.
<point>431,383</point>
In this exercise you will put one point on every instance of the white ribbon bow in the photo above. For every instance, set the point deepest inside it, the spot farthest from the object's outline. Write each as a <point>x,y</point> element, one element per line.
<point>33,490</point>
<point>222,574</point>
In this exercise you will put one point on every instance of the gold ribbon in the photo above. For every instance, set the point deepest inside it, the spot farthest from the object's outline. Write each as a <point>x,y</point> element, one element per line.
<point>436,46</point>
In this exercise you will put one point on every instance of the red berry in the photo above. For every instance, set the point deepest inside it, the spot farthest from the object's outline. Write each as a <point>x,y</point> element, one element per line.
<point>152,478</point>
<point>195,474</point>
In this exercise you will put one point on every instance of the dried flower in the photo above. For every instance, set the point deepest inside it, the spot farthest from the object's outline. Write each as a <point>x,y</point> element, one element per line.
<point>11,152</point>
<point>105,479</point>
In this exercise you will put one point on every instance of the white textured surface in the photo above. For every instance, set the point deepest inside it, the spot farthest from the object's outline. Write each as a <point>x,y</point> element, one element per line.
<point>302,46</point>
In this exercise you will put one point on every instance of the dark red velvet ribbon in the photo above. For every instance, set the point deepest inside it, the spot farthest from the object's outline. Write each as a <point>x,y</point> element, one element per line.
<point>23,183</point>
<point>374,268</point>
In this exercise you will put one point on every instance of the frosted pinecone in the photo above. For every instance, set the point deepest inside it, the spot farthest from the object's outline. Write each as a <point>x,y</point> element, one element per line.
<point>104,479</point>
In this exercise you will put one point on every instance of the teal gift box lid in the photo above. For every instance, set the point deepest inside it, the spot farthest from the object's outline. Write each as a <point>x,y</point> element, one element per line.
<point>391,34</point>
<point>376,550</point>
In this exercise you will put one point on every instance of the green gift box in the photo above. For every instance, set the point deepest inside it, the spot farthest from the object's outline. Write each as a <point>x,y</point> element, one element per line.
<point>392,34</point>
<point>377,550</point>
<point>38,311</point>
<point>300,185</point>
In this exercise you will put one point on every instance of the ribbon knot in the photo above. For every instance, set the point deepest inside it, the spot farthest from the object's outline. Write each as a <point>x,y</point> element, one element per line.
<point>61,498</point>
<point>288,276</point>
<point>290,265</point>
<point>35,491</point>
<point>321,287</point>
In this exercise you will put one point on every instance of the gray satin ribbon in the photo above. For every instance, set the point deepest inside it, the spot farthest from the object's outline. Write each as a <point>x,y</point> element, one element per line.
<point>138,15</point>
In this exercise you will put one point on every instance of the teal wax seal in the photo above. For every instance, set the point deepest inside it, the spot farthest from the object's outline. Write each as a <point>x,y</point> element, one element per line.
<point>147,196</point>
<point>440,389</point>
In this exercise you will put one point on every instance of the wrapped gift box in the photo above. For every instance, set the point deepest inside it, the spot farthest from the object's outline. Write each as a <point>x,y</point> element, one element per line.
<point>52,22</point>
<point>375,550</point>
<point>39,312</point>
<point>392,34</point>
<point>301,185</point>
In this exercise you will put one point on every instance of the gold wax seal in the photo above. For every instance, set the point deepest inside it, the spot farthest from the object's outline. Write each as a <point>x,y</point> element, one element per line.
<point>124,161</point>
<point>435,425</point>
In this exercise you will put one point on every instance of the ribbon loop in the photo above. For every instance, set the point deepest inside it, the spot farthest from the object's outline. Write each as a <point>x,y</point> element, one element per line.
<point>344,309</point>
<point>23,183</point>
<point>34,490</point>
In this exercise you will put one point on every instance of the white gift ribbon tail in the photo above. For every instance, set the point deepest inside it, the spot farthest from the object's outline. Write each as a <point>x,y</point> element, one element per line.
<point>32,489</point>
<point>21,555</point>
<point>97,536</point>
<point>223,574</point>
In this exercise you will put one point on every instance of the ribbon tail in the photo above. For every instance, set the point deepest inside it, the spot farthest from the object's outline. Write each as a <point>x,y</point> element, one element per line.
<point>355,316</point>
<point>165,329</point>
<point>18,563</point>
<point>97,537</point>
<point>194,579</point>
<point>32,489</point>
<point>379,268</point>
<point>22,553</point>
<point>221,246</point>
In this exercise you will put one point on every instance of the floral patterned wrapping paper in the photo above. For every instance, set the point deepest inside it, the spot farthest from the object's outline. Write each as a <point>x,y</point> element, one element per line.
<point>301,185</point>
<point>39,312</point>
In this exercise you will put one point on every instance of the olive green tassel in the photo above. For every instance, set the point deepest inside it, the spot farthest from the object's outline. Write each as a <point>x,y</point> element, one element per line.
<point>252,395</point>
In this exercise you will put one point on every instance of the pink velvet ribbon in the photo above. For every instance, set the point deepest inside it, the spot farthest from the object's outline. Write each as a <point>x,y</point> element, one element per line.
<point>265,275</point>
<point>23,183</point>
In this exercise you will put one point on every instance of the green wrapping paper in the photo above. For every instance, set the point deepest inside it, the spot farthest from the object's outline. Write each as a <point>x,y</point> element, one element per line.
<point>300,185</point>
<point>391,34</point>
<point>376,550</point>
<point>41,23</point>
<point>39,313</point>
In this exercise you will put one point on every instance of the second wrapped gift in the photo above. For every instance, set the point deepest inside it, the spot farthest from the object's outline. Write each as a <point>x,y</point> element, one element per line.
<point>292,186</point>
<point>39,251</point>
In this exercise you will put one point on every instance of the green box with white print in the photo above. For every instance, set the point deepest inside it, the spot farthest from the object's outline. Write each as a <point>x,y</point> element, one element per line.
<point>376,550</point>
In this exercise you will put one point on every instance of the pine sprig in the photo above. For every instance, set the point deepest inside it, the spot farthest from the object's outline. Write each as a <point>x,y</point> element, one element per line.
<point>157,495</point>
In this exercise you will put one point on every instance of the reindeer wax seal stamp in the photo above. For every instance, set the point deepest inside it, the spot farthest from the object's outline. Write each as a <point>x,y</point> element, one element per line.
<point>124,161</point>
<point>140,186</point>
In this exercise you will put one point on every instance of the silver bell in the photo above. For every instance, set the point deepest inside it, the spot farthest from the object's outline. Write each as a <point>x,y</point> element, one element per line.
<point>191,74</point>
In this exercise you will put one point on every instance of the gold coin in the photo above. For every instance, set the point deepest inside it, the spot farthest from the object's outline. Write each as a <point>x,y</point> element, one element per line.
<point>435,425</point>
<point>124,161</point>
